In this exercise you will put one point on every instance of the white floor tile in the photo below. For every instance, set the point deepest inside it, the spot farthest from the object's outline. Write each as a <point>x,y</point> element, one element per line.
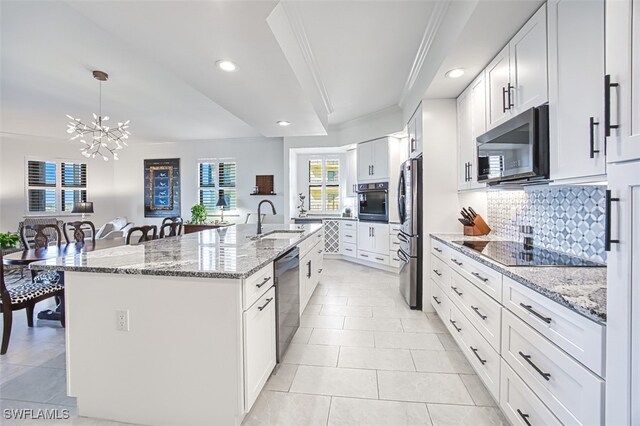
<point>312,309</point>
<point>321,321</point>
<point>478,391</point>
<point>377,359</point>
<point>359,412</point>
<point>302,335</point>
<point>397,311</point>
<point>329,300</point>
<point>282,377</point>
<point>448,342</point>
<point>423,325</point>
<point>346,311</point>
<point>423,387</point>
<point>408,341</point>
<point>288,409</point>
<point>371,301</point>
<point>322,355</point>
<point>342,337</point>
<point>336,382</point>
<point>456,415</point>
<point>441,362</point>
<point>373,324</point>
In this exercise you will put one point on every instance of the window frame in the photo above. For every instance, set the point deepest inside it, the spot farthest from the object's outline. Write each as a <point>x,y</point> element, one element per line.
<point>216,184</point>
<point>324,183</point>
<point>58,188</point>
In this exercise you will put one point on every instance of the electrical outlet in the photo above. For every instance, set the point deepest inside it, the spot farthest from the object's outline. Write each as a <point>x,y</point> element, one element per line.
<point>122,319</point>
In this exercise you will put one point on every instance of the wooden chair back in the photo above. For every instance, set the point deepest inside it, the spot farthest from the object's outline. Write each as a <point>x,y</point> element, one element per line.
<point>78,228</point>
<point>173,230</point>
<point>43,235</point>
<point>5,298</point>
<point>149,232</point>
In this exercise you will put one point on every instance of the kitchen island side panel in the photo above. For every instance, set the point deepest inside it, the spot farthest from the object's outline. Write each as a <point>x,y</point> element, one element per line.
<point>179,363</point>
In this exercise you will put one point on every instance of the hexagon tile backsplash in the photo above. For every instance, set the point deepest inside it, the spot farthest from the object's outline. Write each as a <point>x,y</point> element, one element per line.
<point>569,219</point>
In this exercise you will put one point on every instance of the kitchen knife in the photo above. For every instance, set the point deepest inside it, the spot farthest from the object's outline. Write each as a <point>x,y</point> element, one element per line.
<point>473,212</point>
<point>466,215</point>
<point>465,222</point>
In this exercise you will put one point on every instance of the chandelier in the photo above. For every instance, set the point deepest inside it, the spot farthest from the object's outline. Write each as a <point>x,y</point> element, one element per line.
<point>99,139</point>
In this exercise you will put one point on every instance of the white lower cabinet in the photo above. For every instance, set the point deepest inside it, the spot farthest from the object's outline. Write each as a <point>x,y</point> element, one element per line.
<point>259,323</point>
<point>311,268</point>
<point>542,361</point>
<point>520,404</point>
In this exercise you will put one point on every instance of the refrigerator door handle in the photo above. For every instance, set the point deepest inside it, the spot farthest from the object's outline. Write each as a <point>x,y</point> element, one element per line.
<point>402,237</point>
<point>403,256</point>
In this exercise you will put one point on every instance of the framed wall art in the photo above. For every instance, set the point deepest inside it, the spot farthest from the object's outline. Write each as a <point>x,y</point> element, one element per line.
<point>162,187</point>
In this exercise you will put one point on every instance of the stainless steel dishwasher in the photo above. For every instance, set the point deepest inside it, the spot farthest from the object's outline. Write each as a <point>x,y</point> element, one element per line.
<point>287,299</point>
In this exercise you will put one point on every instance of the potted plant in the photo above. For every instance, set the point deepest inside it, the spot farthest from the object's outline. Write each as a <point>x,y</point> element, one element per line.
<point>198,214</point>
<point>8,240</point>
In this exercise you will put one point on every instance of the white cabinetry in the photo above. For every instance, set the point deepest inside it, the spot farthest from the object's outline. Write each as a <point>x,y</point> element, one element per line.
<point>576,98</point>
<point>464,138</point>
<point>623,299</point>
<point>623,65</point>
<point>352,174</point>
<point>517,77</point>
<point>373,242</point>
<point>259,345</point>
<point>414,130</point>
<point>471,124</point>
<point>373,160</point>
<point>311,266</point>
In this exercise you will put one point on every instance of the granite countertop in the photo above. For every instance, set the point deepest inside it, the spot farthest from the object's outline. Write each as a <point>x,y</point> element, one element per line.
<point>582,289</point>
<point>322,217</point>
<point>227,252</point>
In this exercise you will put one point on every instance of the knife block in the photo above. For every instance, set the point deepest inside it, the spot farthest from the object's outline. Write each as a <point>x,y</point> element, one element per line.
<point>479,227</point>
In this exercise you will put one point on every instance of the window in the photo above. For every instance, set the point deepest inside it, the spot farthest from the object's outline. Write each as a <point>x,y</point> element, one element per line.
<point>217,178</point>
<point>53,186</point>
<point>324,185</point>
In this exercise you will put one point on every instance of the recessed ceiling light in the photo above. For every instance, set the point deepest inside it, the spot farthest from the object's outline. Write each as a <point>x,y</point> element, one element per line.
<point>455,73</point>
<point>225,65</point>
<point>283,123</point>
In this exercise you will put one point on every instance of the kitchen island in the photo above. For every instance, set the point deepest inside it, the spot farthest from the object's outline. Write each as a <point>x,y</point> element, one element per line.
<point>176,331</point>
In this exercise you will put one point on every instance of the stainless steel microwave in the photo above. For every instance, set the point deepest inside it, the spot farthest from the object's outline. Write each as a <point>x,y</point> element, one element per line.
<point>517,150</point>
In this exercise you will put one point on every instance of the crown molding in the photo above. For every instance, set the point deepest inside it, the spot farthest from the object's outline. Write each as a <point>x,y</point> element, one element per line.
<point>292,11</point>
<point>433,25</point>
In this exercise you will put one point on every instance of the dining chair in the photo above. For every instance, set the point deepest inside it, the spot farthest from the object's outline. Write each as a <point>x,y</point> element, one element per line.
<point>25,296</point>
<point>149,232</point>
<point>173,225</point>
<point>43,235</point>
<point>79,229</point>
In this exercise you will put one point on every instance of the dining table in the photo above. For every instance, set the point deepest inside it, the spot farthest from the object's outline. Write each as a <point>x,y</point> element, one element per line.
<point>26,257</point>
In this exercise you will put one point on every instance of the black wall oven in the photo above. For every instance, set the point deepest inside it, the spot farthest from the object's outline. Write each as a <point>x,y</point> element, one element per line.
<point>373,202</point>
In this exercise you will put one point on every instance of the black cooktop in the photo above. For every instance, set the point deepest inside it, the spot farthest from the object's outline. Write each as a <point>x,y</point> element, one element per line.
<point>514,253</point>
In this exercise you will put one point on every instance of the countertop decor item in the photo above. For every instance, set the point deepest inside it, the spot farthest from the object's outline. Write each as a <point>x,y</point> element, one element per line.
<point>222,203</point>
<point>8,240</point>
<point>83,207</point>
<point>473,223</point>
<point>198,214</point>
<point>302,212</point>
<point>98,138</point>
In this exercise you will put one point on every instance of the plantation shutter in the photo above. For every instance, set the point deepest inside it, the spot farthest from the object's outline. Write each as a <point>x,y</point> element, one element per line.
<point>208,195</point>
<point>227,182</point>
<point>41,181</point>
<point>73,177</point>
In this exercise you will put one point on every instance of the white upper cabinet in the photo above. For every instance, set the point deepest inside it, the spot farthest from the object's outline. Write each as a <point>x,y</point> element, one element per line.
<point>414,128</point>
<point>373,160</point>
<point>352,172</point>
<point>623,67</point>
<point>471,124</point>
<point>517,77</point>
<point>576,98</point>
<point>528,64</point>
<point>497,74</point>
<point>478,125</point>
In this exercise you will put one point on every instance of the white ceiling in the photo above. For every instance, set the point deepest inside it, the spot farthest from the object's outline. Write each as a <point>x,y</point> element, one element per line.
<point>313,63</point>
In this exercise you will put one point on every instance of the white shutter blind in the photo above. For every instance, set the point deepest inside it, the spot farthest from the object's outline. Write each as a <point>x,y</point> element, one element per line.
<point>41,180</point>
<point>315,171</point>
<point>227,182</point>
<point>207,193</point>
<point>73,175</point>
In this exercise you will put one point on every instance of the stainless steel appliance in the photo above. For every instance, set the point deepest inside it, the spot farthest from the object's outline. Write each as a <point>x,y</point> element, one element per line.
<point>287,282</point>
<point>410,213</point>
<point>373,200</point>
<point>517,149</point>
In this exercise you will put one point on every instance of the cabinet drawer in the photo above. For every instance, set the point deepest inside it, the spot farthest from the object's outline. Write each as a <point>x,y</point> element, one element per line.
<point>394,260</point>
<point>256,284</point>
<point>306,245</point>
<point>481,310</point>
<point>439,249</point>
<point>487,279</point>
<point>440,302</point>
<point>580,337</point>
<point>350,250</point>
<point>373,257</point>
<point>574,394</point>
<point>520,404</point>
<point>394,242</point>
<point>349,236</point>
<point>440,273</point>
<point>348,225</point>
<point>480,354</point>
<point>395,228</point>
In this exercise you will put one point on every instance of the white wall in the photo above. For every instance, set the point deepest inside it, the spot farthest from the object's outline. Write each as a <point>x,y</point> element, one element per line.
<point>14,149</point>
<point>255,156</point>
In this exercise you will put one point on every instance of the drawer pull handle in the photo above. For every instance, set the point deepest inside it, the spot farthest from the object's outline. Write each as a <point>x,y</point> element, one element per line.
<point>436,299</point>
<point>364,255</point>
<point>453,323</point>
<point>455,290</point>
<point>260,308</point>
<point>380,259</point>
<point>524,416</point>
<point>456,262</point>
<point>266,280</point>
<point>438,273</point>
<point>480,277</point>
<point>477,311</point>
<point>320,270</point>
<point>439,250</point>
<point>475,352</point>
<point>535,367</point>
<point>530,309</point>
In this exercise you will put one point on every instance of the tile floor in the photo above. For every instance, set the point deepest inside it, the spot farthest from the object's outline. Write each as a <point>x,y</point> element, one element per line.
<point>361,357</point>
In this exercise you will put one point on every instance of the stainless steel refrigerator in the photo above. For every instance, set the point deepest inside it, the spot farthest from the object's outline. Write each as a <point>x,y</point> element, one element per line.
<point>411,238</point>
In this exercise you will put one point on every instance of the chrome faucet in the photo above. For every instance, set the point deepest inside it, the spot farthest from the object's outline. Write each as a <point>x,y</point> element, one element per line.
<point>260,217</point>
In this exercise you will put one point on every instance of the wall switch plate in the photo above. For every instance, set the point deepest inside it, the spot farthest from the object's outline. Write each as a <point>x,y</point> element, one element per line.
<point>122,319</point>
